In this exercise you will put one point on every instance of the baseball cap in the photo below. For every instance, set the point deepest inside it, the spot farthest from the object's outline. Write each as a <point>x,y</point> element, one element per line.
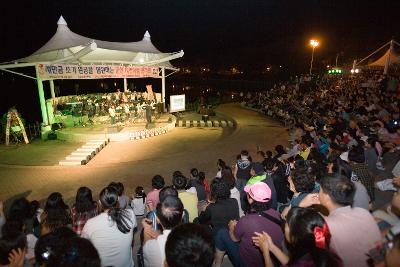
<point>259,191</point>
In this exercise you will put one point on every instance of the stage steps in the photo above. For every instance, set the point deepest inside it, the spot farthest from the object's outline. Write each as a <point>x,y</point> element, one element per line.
<point>210,123</point>
<point>85,153</point>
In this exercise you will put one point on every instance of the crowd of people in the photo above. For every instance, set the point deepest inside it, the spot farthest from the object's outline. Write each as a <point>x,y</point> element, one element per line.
<point>310,204</point>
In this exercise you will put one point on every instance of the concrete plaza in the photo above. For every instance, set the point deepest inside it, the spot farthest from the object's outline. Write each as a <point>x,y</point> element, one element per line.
<point>136,162</point>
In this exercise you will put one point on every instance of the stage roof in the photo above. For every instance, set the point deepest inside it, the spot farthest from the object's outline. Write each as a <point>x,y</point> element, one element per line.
<point>70,48</point>
<point>393,58</point>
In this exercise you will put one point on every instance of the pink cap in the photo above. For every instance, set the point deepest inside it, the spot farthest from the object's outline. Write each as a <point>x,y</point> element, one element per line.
<point>259,191</point>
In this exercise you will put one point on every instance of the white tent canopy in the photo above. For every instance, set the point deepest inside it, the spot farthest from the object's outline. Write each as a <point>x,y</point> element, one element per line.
<point>386,61</point>
<point>390,57</point>
<point>68,47</point>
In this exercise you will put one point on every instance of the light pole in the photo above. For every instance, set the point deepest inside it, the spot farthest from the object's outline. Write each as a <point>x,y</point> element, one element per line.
<point>314,44</point>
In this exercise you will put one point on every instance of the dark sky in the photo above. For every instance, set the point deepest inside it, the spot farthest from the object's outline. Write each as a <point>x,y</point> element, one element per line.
<point>219,33</point>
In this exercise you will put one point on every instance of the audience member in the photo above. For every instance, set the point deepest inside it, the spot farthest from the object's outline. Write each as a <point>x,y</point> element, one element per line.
<point>138,202</point>
<point>169,214</point>
<point>189,245</point>
<point>83,209</point>
<point>354,230</point>
<point>217,215</point>
<point>307,240</point>
<point>188,199</point>
<point>123,199</point>
<point>153,196</point>
<point>261,217</point>
<point>56,214</point>
<point>111,232</point>
<point>76,252</point>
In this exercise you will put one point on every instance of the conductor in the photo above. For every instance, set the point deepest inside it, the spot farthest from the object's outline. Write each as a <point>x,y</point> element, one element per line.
<point>149,109</point>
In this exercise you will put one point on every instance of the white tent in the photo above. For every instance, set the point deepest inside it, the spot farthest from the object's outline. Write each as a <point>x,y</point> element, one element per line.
<point>388,58</point>
<point>386,61</point>
<point>67,47</point>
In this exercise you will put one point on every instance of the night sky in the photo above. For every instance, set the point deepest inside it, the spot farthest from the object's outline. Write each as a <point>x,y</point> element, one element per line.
<point>246,33</point>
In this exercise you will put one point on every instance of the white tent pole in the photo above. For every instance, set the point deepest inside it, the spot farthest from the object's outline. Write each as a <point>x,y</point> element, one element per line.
<point>42,99</point>
<point>53,95</point>
<point>163,85</point>
<point>125,85</point>
<point>387,64</point>
<point>377,50</point>
<point>17,73</point>
<point>354,64</point>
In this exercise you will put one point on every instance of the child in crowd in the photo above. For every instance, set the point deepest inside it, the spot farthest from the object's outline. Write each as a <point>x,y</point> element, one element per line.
<point>138,203</point>
<point>122,198</point>
<point>153,196</point>
<point>203,180</point>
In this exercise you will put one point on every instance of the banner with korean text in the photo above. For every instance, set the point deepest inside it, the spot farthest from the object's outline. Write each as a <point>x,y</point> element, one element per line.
<point>66,71</point>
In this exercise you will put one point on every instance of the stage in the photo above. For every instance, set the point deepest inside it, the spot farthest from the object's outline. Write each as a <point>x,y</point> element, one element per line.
<point>121,131</point>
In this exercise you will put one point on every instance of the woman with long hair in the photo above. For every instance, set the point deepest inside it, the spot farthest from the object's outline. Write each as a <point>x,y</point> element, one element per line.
<point>307,240</point>
<point>111,232</point>
<point>83,209</point>
<point>55,215</point>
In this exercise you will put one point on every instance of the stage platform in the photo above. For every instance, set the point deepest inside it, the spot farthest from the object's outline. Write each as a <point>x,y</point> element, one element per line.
<point>118,131</point>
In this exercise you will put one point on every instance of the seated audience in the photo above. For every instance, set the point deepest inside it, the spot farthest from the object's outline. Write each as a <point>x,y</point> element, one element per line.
<point>354,230</point>
<point>228,177</point>
<point>13,239</point>
<point>307,240</point>
<point>200,189</point>
<point>111,232</point>
<point>123,199</point>
<point>189,245</point>
<point>83,209</point>
<point>217,215</point>
<point>169,214</point>
<point>50,243</point>
<point>76,252</point>
<point>138,202</point>
<point>301,183</point>
<point>360,169</point>
<point>258,175</point>
<point>153,196</point>
<point>56,214</point>
<point>261,217</point>
<point>188,199</point>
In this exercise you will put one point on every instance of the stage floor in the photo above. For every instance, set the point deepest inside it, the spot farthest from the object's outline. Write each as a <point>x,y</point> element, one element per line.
<point>122,131</point>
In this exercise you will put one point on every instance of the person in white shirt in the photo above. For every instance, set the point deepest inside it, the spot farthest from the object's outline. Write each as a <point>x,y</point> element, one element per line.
<point>169,214</point>
<point>111,232</point>
<point>138,203</point>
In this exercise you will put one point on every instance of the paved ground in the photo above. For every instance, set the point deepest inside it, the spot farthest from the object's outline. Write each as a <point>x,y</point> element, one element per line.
<point>135,162</point>
<point>37,153</point>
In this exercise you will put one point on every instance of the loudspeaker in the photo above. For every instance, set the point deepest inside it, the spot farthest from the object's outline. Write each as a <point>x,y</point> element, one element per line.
<point>56,126</point>
<point>150,125</point>
<point>52,136</point>
<point>111,130</point>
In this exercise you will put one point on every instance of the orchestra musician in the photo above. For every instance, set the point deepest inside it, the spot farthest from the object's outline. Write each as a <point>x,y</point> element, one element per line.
<point>111,111</point>
<point>126,109</point>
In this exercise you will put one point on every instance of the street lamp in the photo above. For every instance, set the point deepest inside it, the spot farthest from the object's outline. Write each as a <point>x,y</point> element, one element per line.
<point>314,44</point>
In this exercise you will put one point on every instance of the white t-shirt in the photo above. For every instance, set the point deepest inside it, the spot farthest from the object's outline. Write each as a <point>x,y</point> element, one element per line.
<point>154,250</point>
<point>139,206</point>
<point>114,247</point>
<point>236,195</point>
